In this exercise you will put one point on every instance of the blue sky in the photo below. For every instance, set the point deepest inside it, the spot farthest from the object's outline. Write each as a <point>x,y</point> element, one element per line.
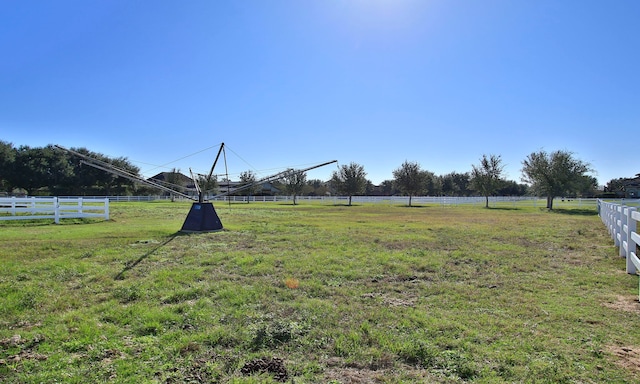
<point>295,83</point>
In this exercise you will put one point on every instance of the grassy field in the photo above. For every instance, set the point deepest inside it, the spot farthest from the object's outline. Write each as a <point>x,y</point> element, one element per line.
<point>318,294</point>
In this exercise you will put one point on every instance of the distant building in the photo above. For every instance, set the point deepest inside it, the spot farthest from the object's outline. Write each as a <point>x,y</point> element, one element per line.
<point>177,181</point>
<point>632,188</point>
<point>264,189</point>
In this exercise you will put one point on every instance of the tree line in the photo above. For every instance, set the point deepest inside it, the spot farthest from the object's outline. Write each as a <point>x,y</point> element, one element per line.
<point>549,175</point>
<point>49,171</point>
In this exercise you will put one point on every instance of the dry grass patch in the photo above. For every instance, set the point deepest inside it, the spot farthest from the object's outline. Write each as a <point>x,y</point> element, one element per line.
<point>628,357</point>
<point>625,304</point>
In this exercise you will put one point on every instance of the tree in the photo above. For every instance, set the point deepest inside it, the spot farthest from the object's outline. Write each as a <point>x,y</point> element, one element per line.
<point>294,182</point>
<point>7,160</point>
<point>87,180</point>
<point>410,179</point>
<point>175,181</point>
<point>388,188</point>
<point>208,185</point>
<point>248,178</point>
<point>486,177</point>
<point>317,187</point>
<point>42,170</point>
<point>349,180</point>
<point>615,186</point>
<point>432,184</point>
<point>456,184</point>
<point>121,185</point>
<point>511,188</point>
<point>369,189</point>
<point>587,186</point>
<point>554,174</point>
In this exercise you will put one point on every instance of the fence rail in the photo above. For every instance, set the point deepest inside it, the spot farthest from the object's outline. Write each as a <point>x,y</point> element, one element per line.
<point>56,208</point>
<point>622,223</point>
<point>494,201</point>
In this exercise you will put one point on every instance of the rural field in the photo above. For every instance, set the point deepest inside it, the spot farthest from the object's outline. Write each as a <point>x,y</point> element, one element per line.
<point>318,293</point>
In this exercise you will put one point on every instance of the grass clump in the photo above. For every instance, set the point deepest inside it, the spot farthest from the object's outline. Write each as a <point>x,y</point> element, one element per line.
<point>317,293</point>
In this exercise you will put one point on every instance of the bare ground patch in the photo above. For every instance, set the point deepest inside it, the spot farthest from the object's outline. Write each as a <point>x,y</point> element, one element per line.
<point>625,303</point>
<point>339,372</point>
<point>627,357</point>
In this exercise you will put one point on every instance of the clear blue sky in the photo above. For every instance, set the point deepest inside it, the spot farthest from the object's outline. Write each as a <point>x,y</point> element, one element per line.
<point>289,83</point>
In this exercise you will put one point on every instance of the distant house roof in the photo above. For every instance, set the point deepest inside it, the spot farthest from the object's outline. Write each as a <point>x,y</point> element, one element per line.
<point>635,181</point>
<point>632,188</point>
<point>164,176</point>
<point>180,180</point>
<point>265,188</point>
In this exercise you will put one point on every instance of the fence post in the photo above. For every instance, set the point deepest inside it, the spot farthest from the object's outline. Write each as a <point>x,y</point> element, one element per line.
<point>622,230</point>
<point>106,208</point>
<point>631,244</point>
<point>612,221</point>
<point>56,211</point>
<point>616,225</point>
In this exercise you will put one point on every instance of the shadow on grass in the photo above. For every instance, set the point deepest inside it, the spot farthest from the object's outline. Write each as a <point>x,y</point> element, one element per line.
<point>25,223</point>
<point>132,265</point>
<point>346,205</point>
<point>48,222</point>
<point>576,212</point>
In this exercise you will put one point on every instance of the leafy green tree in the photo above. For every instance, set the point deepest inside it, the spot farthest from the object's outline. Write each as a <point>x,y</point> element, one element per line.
<point>410,179</point>
<point>208,185</point>
<point>7,162</point>
<point>316,187</point>
<point>41,170</point>
<point>433,184</point>
<point>554,174</point>
<point>121,185</point>
<point>87,180</point>
<point>248,178</point>
<point>486,177</point>
<point>57,170</point>
<point>294,182</point>
<point>587,187</point>
<point>388,188</point>
<point>349,180</point>
<point>175,181</point>
<point>615,186</point>
<point>511,188</point>
<point>369,188</point>
<point>456,184</point>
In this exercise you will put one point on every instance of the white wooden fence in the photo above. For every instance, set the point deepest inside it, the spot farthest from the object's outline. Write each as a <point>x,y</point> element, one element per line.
<point>56,208</point>
<point>622,222</point>
<point>510,201</point>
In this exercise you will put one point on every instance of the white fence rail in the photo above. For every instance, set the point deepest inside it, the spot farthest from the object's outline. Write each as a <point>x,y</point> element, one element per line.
<point>622,223</point>
<point>56,208</point>
<point>515,201</point>
<point>494,201</point>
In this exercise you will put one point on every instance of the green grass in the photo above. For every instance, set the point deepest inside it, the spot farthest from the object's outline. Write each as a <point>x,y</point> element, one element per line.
<point>386,294</point>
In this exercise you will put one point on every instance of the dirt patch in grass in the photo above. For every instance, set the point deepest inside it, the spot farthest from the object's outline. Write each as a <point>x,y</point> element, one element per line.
<point>367,375</point>
<point>269,365</point>
<point>626,357</point>
<point>625,303</point>
<point>354,375</point>
<point>25,347</point>
<point>390,301</point>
